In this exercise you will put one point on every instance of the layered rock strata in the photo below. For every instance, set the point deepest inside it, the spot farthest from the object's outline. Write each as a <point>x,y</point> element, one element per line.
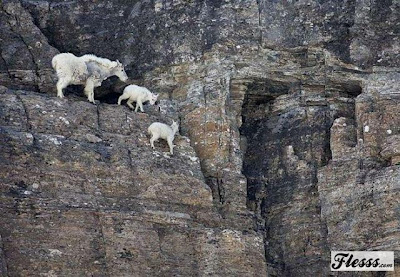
<point>290,109</point>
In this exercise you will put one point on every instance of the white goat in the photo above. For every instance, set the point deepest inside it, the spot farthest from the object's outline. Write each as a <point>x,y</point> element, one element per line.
<point>139,95</point>
<point>87,70</point>
<point>160,130</point>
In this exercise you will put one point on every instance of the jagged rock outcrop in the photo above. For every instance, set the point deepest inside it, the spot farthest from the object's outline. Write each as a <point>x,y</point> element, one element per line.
<point>291,109</point>
<point>25,57</point>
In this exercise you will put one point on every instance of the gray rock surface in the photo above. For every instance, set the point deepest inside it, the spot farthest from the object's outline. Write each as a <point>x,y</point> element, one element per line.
<point>109,207</point>
<point>289,115</point>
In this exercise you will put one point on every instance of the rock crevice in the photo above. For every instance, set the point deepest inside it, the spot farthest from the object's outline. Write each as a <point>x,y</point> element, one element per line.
<point>289,117</point>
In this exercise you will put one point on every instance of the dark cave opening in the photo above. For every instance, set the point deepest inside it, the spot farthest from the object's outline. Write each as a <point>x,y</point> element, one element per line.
<point>109,92</point>
<point>285,139</point>
<point>263,146</point>
<point>257,108</point>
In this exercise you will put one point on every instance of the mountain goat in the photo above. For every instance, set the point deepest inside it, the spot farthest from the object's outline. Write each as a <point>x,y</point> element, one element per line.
<point>139,95</point>
<point>160,130</point>
<point>87,70</point>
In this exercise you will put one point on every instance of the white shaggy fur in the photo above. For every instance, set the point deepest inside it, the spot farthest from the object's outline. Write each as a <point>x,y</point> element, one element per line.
<point>139,95</point>
<point>160,130</point>
<point>104,62</point>
<point>87,70</point>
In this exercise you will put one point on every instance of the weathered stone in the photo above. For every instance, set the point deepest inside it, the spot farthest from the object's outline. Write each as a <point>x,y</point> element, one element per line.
<point>343,139</point>
<point>391,149</point>
<point>289,115</point>
<point>25,59</point>
<point>114,207</point>
<point>360,213</point>
<point>3,263</point>
<point>93,139</point>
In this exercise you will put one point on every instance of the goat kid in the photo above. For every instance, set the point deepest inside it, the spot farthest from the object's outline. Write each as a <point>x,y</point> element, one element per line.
<point>159,130</point>
<point>139,95</point>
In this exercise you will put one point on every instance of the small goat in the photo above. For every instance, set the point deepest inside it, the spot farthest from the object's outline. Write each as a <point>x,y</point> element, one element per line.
<point>87,70</point>
<point>139,95</point>
<point>160,130</point>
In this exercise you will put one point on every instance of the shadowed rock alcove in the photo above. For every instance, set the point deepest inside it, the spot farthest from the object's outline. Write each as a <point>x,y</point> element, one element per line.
<point>285,137</point>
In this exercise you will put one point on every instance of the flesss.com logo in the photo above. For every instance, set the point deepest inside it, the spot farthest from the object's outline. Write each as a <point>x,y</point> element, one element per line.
<point>362,261</point>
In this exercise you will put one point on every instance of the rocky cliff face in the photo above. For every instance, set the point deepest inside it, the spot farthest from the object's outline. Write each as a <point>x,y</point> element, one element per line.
<point>83,194</point>
<point>289,143</point>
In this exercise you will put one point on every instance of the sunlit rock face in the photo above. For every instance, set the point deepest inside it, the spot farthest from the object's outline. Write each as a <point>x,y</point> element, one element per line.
<point>288,145</point>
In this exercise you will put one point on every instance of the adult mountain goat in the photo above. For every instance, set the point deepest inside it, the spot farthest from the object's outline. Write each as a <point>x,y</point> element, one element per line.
<point>139,95</point>
<point>160,130</point>
<point>87,70</point>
